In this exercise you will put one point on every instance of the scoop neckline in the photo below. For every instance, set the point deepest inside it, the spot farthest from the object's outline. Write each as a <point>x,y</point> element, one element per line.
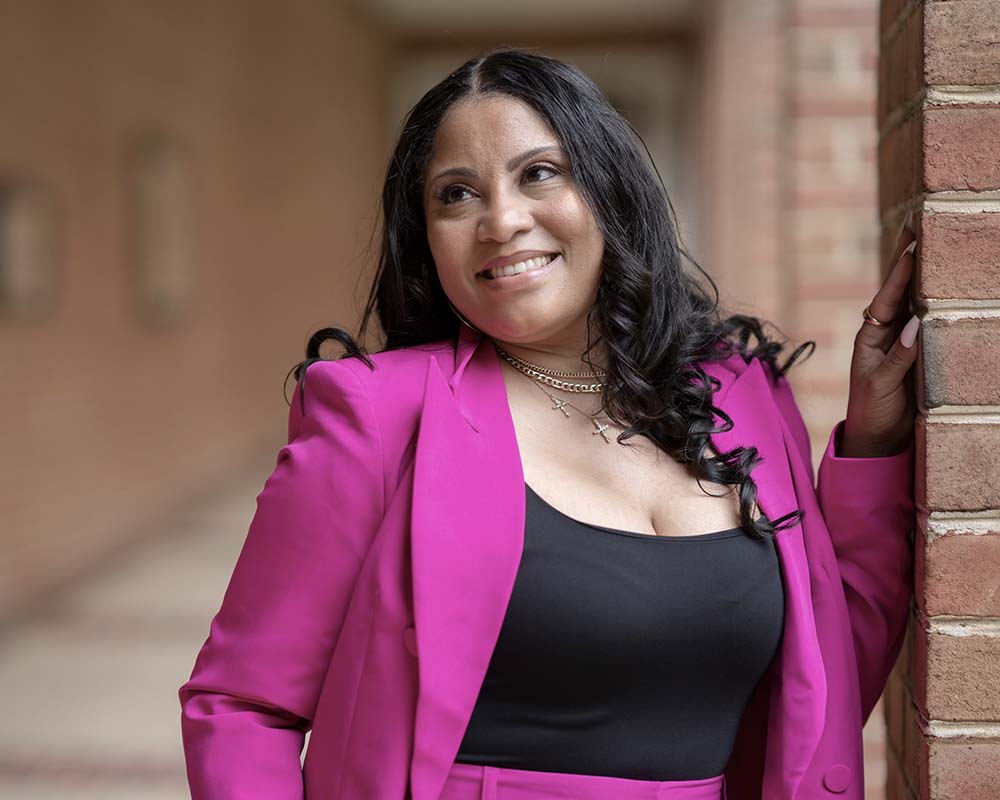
<point>728,533</point>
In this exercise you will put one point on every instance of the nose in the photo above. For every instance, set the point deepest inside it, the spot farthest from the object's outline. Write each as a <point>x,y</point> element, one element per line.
<point>504,217</point>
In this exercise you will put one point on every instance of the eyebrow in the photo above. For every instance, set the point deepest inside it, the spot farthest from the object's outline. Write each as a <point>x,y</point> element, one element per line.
<point>513,164</point>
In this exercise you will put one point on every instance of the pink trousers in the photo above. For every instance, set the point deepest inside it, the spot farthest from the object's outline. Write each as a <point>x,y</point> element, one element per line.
<point>475,782</point>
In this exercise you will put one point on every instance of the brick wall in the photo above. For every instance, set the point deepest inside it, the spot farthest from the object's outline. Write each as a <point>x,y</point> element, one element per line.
<point>939,118</point>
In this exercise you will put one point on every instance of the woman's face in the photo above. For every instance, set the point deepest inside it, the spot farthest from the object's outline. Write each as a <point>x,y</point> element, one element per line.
<point>498,188</point>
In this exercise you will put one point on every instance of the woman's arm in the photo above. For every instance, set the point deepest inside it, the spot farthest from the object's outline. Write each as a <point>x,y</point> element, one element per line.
<point>868,507</point>
<point>256,681</point>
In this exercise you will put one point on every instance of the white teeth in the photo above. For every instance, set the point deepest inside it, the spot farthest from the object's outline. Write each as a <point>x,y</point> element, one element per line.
<point>519,267</point>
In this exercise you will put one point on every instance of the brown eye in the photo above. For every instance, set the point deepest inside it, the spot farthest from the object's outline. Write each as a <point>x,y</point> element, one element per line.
<point>535,168</point>
<point>445,195</point>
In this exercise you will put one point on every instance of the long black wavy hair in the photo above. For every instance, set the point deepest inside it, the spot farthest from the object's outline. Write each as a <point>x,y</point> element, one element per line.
<point>656,320</point>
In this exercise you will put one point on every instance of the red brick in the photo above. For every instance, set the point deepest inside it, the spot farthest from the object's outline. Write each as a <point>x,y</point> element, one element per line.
<point>958,575</point>
<point>924,151</point>
<point>961,362</point>
<point>918,666</point>
<point>963,677</point>
<point>900,160</point>
<point>954,453</point>
<point>901,65</point>
<point>962,42</point>
<point>890,12</point>
<point>960,148</point>
<point>963,769</point>
<point>959,256</point>
<point>904,664</point>
<point>914,760</point>
<point>895,699</point>
<point>888,241</point>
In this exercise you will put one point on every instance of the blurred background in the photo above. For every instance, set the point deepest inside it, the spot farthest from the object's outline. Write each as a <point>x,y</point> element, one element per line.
<point>187,191</point>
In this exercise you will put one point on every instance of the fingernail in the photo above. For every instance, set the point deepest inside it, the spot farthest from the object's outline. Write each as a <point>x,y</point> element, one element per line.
<point>907,221</point>
<point>911,247</point>
<point>909,333</point>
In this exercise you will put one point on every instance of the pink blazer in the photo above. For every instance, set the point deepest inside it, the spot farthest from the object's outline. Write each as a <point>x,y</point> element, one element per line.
<point>370,592</point>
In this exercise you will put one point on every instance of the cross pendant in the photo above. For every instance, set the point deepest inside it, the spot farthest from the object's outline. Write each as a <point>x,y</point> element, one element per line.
<point>559,405</point>
<point>600,430</point>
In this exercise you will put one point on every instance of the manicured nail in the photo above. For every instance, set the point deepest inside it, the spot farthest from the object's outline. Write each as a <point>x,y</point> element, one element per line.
<point>907,221</point>
<point>909,333</point>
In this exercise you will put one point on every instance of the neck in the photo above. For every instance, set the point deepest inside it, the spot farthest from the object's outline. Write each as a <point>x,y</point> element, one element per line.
<point>556,357</point>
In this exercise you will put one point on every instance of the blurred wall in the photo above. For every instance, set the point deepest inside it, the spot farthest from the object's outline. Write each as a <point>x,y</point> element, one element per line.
<point>788,160</point>
<point>112,408</point>
<point>246,213</point>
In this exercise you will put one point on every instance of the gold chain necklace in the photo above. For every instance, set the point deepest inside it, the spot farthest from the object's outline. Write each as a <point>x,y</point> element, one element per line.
<point>540,375</point>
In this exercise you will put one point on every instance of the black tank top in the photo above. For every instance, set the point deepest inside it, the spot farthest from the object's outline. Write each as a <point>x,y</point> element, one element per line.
<point>626,654</point>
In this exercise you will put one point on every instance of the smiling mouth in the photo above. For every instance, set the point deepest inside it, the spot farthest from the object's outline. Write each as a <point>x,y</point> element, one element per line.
<point>528,265</point>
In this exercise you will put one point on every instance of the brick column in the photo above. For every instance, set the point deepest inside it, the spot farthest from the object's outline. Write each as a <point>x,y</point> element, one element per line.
<point>939,155</point>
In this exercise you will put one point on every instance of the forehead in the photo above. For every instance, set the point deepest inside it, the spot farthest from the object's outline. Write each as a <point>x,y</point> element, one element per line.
<point>486,130</point>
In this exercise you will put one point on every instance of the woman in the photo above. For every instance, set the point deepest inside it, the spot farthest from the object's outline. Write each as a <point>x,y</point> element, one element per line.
<point>486,564</point>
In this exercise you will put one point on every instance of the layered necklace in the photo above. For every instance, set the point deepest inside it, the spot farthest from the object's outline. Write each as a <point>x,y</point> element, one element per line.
<point>542,377</point>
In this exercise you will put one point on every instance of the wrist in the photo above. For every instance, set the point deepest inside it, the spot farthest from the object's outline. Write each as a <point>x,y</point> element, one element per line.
<point>848,446</point>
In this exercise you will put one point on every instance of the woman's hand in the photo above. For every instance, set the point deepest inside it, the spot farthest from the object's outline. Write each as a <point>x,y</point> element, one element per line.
<point>882,404</point>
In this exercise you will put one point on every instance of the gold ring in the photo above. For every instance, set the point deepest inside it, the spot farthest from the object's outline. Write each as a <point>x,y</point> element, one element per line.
<point>870,319</point>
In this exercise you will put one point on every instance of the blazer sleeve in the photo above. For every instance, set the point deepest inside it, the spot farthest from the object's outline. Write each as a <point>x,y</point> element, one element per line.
<point>868,507</point>
<point>256,680</point>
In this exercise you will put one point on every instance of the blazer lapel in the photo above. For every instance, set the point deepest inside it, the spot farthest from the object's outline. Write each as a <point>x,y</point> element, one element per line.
<point>467,536</point>
<point>798,680</point>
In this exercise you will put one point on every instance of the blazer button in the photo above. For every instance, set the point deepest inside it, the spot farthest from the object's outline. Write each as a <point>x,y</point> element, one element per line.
<point>410,640</point>
<point>837,778</point>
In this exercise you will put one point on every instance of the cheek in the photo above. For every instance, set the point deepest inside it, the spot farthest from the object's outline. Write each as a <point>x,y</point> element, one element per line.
<point>448,247</point>
<point>577,227</point>
<point>453,250</point>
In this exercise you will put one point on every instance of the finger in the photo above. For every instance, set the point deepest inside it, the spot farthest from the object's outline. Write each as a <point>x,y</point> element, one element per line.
<point>902,354</point>
<point>905,307</point>
<point>903,236</point>
<point>889,300</point>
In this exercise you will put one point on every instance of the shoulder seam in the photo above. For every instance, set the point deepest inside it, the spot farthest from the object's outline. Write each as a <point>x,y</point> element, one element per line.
<point>378,427</point>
